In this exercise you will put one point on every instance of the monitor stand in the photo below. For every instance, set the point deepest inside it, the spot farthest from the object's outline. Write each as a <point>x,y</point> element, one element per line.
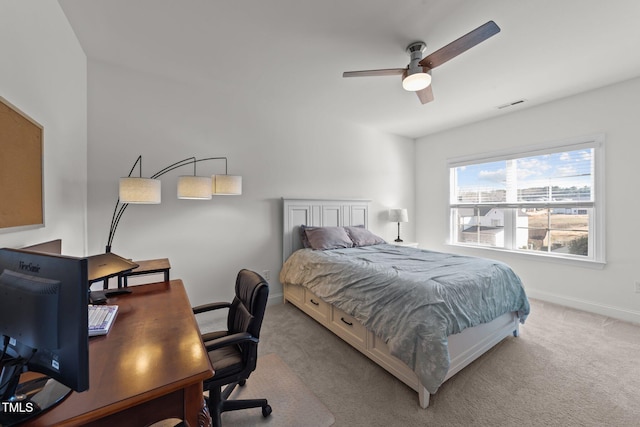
<point>31,399</point>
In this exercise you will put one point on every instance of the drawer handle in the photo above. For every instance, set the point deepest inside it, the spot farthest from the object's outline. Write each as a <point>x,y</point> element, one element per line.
<point>348,323</point>
<point>313,302</point>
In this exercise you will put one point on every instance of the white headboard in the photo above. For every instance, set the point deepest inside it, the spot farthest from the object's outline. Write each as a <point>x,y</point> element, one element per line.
<point>319,213</point>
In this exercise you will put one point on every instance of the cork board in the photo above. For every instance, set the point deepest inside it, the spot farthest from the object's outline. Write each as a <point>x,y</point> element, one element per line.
<point>21,183</point>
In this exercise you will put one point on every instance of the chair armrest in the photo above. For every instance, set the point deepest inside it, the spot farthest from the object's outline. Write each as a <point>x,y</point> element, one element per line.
<point>211,306</point>
<point>232,339</point>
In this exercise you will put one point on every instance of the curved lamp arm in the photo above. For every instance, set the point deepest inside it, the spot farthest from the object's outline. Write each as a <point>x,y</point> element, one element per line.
<point>121,207</point>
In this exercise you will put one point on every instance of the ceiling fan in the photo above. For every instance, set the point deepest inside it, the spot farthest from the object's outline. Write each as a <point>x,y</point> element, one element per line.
<point>416,77</point>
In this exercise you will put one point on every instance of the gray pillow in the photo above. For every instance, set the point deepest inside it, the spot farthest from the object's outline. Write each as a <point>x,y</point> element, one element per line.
<point>363,237</point>
<point>303,235</point>
<point>323,238</point>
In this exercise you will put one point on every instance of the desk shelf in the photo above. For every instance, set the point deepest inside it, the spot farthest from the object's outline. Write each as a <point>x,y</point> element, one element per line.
<point>150,266</point>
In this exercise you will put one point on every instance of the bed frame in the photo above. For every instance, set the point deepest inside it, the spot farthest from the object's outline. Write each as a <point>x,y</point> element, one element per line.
<point>464,347</point>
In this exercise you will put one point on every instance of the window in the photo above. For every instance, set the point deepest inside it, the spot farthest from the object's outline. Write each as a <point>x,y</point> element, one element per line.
<point>545,200</point>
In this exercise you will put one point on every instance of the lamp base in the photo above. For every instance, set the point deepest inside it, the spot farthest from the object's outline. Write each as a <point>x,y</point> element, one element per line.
<point>398,240</point>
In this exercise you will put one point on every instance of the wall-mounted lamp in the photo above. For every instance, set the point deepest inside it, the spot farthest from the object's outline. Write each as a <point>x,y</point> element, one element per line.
<point>398,215</point>
<point>139,190</point>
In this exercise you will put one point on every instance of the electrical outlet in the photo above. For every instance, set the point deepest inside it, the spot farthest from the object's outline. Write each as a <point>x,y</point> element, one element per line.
<point>637,287</point>
<point>267,276</point>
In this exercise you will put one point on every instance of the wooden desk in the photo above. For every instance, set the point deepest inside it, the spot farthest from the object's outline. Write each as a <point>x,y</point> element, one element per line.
<point>149,367</point>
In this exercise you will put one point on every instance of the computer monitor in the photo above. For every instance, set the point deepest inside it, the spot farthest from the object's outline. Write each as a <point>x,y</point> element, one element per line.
<point>43,328</point>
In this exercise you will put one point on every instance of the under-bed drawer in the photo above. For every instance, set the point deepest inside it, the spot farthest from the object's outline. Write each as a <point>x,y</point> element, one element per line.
<point>348,328</point>
<point>315,306</point>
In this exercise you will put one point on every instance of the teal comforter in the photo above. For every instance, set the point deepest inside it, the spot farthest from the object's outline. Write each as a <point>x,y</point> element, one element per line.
<point>411,298</point>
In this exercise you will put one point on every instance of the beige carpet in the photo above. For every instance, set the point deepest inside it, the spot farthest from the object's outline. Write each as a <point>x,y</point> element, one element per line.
<point>292,402</point>
<point>568,368</point>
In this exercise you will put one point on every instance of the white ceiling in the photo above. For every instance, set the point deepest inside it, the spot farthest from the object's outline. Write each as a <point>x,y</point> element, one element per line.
<point>289,55</point>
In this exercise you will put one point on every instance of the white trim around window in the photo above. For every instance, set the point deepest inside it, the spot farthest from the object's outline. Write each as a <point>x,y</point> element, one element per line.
<point>545,200</point>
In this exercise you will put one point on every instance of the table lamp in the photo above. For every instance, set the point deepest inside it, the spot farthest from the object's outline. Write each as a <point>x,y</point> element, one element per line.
<point>398,215</point>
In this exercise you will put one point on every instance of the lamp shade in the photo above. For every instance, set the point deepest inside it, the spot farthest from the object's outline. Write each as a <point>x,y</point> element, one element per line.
<point>140,190</point>
<point>194,187</point>
<point>398,215</point>
<point>227,185</point>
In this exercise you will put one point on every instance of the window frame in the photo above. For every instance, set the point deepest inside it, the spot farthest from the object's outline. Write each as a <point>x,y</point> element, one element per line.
<point>596,231</point>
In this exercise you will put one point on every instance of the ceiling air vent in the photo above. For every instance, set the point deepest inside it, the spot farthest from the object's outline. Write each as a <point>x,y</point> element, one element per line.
<point>510,104</point>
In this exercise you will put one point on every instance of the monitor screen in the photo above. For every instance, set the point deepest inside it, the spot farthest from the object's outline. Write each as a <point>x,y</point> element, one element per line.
<point>43,316</point>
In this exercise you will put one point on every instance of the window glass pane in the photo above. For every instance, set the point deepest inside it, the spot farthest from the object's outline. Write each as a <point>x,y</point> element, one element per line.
<point>575,243</point>
<point>579,245</point>
<point>562,230</point>
<point>570,230</point>
<point>481,226</point>
<point>528,238</point>
<point>481,183</point>
<point>463,217</point>
<point>570,219</point>
<point>562,176</point>
<point>536,239</point>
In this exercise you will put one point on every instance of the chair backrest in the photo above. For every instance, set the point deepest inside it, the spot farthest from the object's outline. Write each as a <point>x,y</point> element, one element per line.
<point>249,304</point>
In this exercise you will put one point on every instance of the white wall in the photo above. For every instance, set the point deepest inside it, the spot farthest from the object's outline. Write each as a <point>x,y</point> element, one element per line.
<point>43,73</point>
<point>611,110</point>
<point>279,153</point>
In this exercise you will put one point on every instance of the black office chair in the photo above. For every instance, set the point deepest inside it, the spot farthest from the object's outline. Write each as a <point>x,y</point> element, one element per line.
<point>233,353</point>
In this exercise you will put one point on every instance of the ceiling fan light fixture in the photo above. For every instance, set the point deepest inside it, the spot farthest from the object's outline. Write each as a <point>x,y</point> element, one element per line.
<point>416,77</point>
<point>416,81</point>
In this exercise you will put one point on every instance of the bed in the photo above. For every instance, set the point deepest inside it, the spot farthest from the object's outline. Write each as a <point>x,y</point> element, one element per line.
<point>421,315</point>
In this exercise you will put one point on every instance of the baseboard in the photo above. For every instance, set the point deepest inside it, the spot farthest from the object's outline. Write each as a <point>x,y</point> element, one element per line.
<point>275,298</point>
<point>602,309</point>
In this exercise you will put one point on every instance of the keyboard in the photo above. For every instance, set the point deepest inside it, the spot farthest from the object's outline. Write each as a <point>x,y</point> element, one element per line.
<point>101,319</point>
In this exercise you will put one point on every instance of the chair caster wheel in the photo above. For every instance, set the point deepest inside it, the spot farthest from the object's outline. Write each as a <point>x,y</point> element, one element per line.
<point>266,411</point>
<point>241,383</point>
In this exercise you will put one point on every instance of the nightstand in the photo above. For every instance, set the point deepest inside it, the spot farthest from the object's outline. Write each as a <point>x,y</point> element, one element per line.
<point>409,244</point>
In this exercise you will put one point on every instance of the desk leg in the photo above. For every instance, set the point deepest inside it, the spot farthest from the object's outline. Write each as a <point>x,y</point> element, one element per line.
<point>195,408</point>
<point>204,417</point>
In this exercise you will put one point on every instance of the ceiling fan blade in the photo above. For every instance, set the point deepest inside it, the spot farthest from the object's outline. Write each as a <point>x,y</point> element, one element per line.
<point>425,95</point>
<point>460,45</point>
<point>373,73</point>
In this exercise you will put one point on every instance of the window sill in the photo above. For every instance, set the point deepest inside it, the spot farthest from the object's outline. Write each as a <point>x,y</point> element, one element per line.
<point>558,259</point>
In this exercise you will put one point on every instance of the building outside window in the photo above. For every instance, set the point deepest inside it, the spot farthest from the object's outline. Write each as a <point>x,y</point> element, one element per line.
<point>544,200</point>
